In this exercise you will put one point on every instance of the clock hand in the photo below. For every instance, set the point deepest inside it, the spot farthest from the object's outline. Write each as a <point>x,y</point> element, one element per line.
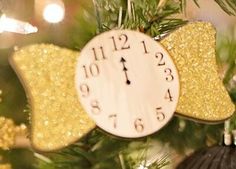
<point>125,70</point>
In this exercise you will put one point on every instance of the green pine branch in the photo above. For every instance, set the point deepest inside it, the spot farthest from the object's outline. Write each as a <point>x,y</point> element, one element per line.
<point>226,50</point>
<point>153,17</point>
<point>100,151</point>
<point>229,6</point>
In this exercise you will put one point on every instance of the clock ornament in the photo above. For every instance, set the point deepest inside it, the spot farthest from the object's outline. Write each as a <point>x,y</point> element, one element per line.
<point>134,77</point>
<point>127,83</point>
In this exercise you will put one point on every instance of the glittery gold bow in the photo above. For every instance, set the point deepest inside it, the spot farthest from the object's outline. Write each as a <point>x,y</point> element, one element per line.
<point>48,73</point>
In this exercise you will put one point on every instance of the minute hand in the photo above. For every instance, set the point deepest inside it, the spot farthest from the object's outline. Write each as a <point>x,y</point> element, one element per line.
<point>122,60</point>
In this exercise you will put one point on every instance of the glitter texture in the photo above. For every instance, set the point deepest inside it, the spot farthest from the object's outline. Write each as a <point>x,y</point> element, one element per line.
<point>202,95</point>
<point>47,73</point>
<point>7,133</point>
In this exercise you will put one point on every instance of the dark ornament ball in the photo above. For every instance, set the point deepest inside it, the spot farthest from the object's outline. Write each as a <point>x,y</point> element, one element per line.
<point>217,157</point>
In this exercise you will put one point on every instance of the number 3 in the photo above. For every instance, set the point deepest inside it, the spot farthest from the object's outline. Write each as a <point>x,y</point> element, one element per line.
<point>169,76</point>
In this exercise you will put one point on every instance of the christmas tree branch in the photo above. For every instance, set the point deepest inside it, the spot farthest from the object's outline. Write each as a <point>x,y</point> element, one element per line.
<point>151,17</point>
<point>98,151</point>
<point>229,6</point>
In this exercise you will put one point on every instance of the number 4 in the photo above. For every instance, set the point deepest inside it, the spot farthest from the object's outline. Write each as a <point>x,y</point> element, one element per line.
<point>168,96</point>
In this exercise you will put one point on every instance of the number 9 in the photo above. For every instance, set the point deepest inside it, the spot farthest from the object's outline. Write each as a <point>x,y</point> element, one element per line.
<point>84,90</point>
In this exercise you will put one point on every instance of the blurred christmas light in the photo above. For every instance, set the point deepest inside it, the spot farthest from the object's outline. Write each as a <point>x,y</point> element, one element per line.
<point>16,26</point>
<point>142,167</point>
<point>54,12</point>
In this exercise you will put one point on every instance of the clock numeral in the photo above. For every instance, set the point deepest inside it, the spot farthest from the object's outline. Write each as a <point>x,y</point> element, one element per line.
<point>144,47</point>
<point>139,125</point>
<point>84,90</point>
<point>168,96</point>
<point>96,56</point>
<point>91,71</point>
<point>169,76</point>
<point>113,117</point>
<point>159,113</point>
<point>160,58</point>
<point>95,107</point>
<point>123,38</point>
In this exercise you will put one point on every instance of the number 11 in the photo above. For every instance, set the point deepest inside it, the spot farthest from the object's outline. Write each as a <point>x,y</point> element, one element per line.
<point>96,55</point>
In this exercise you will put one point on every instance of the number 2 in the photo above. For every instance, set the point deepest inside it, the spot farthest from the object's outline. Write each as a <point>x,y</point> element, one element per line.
<point>160,58</point>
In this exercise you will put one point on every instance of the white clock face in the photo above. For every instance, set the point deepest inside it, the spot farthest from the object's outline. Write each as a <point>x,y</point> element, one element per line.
<point>127,83</point>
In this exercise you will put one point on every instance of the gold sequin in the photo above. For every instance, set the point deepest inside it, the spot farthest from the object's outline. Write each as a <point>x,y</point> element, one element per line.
<point>47,73</point>
<point>202,96</point>
<point>7,133</point>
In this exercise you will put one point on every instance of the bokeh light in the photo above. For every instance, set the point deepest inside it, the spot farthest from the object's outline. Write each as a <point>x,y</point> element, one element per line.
<point>54,13</point>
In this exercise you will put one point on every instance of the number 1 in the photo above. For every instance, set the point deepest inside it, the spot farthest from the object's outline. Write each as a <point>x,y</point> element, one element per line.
<point>144,47</point>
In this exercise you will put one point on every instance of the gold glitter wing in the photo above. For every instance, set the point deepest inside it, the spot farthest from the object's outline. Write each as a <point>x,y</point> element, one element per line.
<point>202,94</point>
<point>47,72</point>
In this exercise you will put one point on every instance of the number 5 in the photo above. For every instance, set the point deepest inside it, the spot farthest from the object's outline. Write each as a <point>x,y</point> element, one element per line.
<point>160,115</point>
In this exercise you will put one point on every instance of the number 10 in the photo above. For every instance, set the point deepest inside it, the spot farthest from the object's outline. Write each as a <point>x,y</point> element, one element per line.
<point>91,71</point>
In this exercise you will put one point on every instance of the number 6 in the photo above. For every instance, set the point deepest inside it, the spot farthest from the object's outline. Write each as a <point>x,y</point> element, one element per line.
<point>139,126</point>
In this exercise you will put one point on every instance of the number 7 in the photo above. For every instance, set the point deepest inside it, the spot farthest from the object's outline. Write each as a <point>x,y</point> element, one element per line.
<point>113,117</point>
